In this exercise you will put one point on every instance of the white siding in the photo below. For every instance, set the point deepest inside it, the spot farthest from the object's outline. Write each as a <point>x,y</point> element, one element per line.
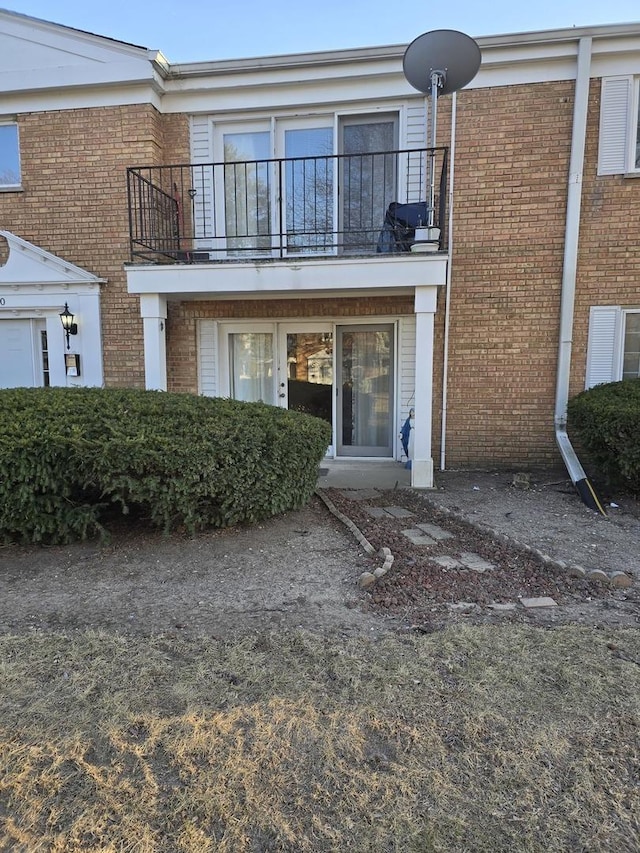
<point>202,153</point>
<point>602,348</point>
<point>208,358</point>
<point>406,370</point>
<point>416,138</point>
<point>616,114</point>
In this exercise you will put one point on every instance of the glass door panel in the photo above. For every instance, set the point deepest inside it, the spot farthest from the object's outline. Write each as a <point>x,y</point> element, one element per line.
<point>247,191</point>
<point>365,390</point>
<point>369,179</point>
<point>251,367</point>
<point>310,373</point>
<point>309,189</point>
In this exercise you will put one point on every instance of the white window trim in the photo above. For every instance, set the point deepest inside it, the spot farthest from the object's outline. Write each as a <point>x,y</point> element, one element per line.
<point>605,346</point>
<point>17,186</point>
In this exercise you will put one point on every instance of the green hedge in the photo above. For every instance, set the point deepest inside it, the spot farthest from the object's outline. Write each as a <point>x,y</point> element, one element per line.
<point>69,456</point>
<point>606,421</point>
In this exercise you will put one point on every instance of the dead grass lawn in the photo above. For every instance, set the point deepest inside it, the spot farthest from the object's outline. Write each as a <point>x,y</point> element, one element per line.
<point>474,739</point>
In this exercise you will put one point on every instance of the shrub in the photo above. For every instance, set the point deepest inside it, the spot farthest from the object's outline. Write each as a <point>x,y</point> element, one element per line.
<point>68,456</point>
<point>606,420</point>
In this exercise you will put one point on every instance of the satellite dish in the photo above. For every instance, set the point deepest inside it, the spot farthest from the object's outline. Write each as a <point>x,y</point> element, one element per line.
<point>453,56</point>
<point>438,63</point>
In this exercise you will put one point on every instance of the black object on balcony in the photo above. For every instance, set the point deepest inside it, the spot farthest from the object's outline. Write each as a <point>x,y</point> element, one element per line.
<point>400,223</point>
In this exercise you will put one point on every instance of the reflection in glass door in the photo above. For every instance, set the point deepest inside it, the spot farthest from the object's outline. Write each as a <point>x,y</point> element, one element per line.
<point>368,178</point>
<point>309,187</point>
<point>310,373</point>
<point>365,390</point>
<point>247,210</point>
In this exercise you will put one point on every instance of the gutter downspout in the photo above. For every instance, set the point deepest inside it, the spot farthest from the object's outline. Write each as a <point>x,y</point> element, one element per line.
<point>447,302</point>
<point>569,274</point>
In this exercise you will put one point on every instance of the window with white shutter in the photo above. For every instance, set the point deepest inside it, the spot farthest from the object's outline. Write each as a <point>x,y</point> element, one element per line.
<point>619,140</point>
<point>613,350</point>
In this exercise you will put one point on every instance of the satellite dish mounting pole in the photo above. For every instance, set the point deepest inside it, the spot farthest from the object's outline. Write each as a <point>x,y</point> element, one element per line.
<point>437,82</point>
<point>438,63</point>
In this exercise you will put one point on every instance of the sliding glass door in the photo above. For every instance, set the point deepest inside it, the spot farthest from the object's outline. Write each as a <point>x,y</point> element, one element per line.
<point>365,390</point>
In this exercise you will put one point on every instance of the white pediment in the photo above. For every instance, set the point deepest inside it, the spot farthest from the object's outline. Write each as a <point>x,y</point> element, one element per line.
<point>29,264</point>
<point>36,54</point>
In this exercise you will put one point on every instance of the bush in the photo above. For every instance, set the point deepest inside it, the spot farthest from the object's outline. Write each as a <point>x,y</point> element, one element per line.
<point>606,420</point>
<point>68,456</point>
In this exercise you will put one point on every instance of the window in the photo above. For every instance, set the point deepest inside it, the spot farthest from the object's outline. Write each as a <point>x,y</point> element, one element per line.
<point>619,140</point>
<point>631,345</point>
<point>613,350</point>
<point>9,156</point>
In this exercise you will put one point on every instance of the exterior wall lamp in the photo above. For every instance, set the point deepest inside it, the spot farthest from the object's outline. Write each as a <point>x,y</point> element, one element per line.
<point>70,328</point>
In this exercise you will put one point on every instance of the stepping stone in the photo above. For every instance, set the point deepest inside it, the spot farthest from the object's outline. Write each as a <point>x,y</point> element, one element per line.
<point>399,512</point>
<point>475,562</point>
<point>435,532</point>
<point>417,537</point>
<point>542,601</point>
<point>448,562</point>
<point>377,512</point>
<point>359,494</point>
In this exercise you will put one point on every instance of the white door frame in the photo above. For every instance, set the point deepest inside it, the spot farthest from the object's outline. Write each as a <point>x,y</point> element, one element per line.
<point>279,329</point>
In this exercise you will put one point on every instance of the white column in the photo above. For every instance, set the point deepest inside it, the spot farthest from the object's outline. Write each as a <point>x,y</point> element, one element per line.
<point>422,461</point>
<point>153,308</point>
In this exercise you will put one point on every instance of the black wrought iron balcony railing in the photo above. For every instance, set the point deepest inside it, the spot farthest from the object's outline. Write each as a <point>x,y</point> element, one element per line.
<point>357,204</point>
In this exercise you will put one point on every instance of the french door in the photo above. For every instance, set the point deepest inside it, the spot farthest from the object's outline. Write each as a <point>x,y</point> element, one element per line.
<point>342,374</point>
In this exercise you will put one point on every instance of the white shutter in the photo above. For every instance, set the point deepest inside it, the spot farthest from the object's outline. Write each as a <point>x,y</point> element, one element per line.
<point>416,138</point>
<point>616,105</point>
<point>602,360</point>
<point>201,154</point>
<point>208,358</point>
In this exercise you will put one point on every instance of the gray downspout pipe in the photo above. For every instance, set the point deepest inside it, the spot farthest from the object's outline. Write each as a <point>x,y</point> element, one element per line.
<point>569,274</point>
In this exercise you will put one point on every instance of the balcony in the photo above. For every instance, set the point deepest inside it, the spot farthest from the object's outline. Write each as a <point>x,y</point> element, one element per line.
<point>356,205</point>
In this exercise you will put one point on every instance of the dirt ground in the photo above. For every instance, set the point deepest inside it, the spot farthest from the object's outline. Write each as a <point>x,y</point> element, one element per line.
<point>302,569</point>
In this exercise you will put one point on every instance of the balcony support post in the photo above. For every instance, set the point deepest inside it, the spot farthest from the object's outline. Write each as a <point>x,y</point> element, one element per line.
<point>422,461</point>
<point>153,308</point>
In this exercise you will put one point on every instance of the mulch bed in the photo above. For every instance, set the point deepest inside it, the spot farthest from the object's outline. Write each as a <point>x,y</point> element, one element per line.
<point>416,583</point>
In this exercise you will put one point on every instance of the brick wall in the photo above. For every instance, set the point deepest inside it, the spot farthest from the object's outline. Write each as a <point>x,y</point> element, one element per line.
<point>513,146</point>
<point>74,204</point>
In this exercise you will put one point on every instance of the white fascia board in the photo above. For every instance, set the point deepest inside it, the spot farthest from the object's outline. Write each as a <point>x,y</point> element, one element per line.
<point>334,77</point>
<point>289,97</point>
<point>80,98</point>
<point>288,278</point>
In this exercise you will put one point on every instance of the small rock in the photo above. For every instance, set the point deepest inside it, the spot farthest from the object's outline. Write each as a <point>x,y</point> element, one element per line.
<point>509,606</point>
<point>366,579</point>
<point>379,573</point>
<point>576,572</point>
<point>463,606</point>
<point>620,580</point>
<point>521,480</point>
<point>598,575</point>
<point>385,552</point>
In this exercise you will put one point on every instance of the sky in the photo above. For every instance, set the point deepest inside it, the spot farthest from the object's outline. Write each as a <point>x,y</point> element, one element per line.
<point>194,31</point>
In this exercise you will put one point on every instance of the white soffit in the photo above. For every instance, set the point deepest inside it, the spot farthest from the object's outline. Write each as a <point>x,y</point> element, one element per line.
<point>29,264</point>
